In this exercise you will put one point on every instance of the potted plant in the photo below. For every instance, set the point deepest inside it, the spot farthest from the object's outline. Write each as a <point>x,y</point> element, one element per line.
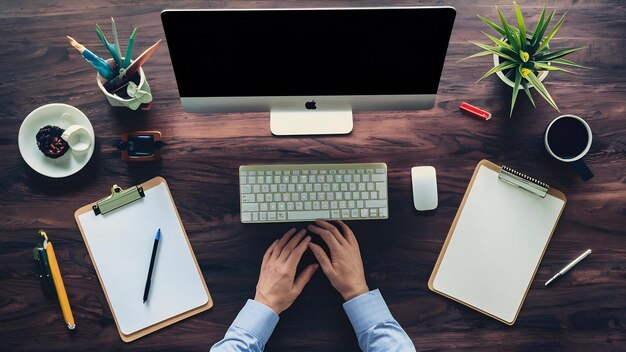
<point>522,59</point>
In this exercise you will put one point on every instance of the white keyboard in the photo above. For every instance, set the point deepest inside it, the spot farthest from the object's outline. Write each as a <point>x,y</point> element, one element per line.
<point>287,193</point>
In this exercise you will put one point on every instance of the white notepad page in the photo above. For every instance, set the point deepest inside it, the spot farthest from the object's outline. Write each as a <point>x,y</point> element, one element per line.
<point>496,245</point>
<point>121,246</point>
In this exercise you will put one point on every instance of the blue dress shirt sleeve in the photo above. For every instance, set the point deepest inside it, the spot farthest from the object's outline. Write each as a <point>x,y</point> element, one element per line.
<point>250,330</point>
<point>375,327</point>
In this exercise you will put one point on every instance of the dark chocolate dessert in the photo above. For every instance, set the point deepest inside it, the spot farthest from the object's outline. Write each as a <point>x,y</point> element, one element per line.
<point>50,143</point>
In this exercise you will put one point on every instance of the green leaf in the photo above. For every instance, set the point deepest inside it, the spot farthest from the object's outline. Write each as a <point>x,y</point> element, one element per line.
<point>527,90</point>
<point>481,53</point>
<point>524,56</point>
<point>498,51</point>
<point>541,31</point>
<point>538,66</point>
<point>507,31</point>
<point>503,66</point>
<point>569,63</point>
<point>493,25</point>
<point>499,42</point>
<point>532,78</point>
<point>518,80</point>
<point>557,54</point>
<point>533,40</point>
<point>552,33</point>
<point>520,25</point>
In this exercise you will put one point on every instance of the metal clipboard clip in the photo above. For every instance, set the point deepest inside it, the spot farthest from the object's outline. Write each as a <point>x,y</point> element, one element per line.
<point>118,198</point>
<point>520,180</point>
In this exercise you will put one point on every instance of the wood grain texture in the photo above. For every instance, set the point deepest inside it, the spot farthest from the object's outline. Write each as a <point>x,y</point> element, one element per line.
<point>586,311</point>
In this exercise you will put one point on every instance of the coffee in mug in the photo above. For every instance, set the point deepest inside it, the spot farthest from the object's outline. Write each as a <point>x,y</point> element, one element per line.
<point>568,138</point>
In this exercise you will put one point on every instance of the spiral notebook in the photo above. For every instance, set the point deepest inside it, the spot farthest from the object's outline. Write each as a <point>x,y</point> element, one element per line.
<point>496,242</point>
<point>119,234</point>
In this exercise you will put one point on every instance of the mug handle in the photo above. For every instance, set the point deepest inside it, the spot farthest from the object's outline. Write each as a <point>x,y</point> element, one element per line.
<point>582,169</point>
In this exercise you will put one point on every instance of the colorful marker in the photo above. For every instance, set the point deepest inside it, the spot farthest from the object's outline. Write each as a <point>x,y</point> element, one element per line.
<point>475,111</point>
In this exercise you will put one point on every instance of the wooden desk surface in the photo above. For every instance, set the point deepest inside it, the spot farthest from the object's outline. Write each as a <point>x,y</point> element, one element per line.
<point>584,311</point>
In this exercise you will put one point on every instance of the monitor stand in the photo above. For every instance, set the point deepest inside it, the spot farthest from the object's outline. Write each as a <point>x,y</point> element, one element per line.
<point>297,120</point>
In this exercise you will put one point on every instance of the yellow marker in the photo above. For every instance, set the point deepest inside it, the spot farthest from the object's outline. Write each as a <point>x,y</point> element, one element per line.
<point>58,282</point>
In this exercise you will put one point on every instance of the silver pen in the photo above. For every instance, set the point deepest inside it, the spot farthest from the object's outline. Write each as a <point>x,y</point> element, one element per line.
<point>569,266</point>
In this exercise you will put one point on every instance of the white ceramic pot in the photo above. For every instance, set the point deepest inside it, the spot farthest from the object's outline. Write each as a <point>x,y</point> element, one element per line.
<point>131,103</point>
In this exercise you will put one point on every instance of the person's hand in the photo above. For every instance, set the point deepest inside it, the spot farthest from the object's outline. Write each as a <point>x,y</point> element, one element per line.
<point>278,286</point>
<point>344,268</point>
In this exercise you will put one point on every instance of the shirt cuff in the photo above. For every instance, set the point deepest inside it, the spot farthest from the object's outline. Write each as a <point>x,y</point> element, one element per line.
<point>367,310</point>
<point>258,319</point>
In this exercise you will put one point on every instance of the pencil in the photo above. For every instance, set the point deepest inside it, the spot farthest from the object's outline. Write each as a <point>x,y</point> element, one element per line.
<point>97,62</point>
<point>60,287</point>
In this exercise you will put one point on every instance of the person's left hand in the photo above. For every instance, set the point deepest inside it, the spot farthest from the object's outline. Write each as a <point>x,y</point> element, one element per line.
<point>278,286</point>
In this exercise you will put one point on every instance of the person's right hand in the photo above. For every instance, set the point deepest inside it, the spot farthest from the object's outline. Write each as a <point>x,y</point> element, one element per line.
<point>278,286</point>
<point>344,268</point>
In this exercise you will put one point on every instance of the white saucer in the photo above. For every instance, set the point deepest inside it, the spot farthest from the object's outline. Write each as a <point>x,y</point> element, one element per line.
<point>61,115</point>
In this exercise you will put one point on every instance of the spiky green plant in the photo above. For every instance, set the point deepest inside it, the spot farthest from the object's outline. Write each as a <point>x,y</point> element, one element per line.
<point>525,54</point>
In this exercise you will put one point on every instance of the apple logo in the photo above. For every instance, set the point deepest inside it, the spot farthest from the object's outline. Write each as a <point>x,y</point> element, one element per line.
<point>310,105</point>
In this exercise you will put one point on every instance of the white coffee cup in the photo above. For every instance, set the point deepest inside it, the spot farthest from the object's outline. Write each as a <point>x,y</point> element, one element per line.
<point>78,138</point>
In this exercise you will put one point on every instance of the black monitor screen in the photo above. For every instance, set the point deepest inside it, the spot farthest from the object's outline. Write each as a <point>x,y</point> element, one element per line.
<point>242,53</point>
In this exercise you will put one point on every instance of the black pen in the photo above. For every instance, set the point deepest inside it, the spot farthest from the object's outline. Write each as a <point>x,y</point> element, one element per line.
<point>154,250</point>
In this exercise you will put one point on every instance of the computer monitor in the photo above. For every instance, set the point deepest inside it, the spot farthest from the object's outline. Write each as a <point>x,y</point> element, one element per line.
<point>310,68</point>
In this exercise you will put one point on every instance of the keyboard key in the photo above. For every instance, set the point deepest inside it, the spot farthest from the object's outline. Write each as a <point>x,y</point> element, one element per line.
<point>308,215</point>
<point>246,189</point>
<point>249,207</point>
<point>334,214</point>
<point>246,217</point>
<point>379,177</point>
<point>382,190</point>
<point>379,203</point>
<point>248,198</point>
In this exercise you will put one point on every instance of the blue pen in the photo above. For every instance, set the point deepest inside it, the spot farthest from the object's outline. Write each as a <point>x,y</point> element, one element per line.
<point>97,62</point>
<point>152,257</point>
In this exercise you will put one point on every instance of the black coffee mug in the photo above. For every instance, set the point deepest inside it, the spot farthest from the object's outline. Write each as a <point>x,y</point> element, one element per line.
<point>568,138</point>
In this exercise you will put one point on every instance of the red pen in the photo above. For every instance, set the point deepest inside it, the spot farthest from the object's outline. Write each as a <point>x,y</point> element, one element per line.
<point>475,111</point>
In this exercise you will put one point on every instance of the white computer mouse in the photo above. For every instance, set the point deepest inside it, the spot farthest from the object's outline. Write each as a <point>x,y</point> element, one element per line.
<point>424,180</point>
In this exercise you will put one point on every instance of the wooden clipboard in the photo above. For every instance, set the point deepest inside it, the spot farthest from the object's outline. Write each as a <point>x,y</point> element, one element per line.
<point>92,207</point>
<point>547,191</point>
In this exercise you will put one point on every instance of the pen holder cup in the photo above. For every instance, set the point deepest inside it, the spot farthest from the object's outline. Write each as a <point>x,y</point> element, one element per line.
<point>135,96</point>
